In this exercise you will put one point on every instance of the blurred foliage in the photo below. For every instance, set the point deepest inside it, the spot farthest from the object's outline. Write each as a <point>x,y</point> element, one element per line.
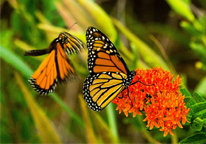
<point>170,34</point>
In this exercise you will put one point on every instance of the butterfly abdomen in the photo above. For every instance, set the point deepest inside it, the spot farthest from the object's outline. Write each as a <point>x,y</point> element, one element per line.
<point>36,52</point>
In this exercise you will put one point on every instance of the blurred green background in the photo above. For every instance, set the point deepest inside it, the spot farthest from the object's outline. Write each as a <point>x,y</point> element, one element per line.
<point>168,34</point>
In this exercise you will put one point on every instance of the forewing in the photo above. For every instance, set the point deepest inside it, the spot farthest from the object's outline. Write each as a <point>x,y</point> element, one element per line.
<point>71,44</point>
<point>44,78</point>
<point>103,56</point>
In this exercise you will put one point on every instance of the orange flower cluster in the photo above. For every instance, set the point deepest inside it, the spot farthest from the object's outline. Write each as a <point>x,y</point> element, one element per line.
<point>155,94</point>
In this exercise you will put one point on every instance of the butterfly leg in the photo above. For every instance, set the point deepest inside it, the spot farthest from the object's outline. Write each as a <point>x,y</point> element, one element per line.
<point>121,96</point>
<point>129,97</point>
<point>141,82</point>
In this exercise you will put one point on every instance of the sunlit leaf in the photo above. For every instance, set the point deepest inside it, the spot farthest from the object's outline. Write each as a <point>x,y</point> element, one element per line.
<point>144,50</point>
<point>201,87</point>
<point>100,17</point>
<point>181,8</point>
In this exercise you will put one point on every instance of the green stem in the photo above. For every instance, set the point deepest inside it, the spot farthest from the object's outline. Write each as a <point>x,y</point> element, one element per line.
<point>112,120</point>
<point>174,138</point>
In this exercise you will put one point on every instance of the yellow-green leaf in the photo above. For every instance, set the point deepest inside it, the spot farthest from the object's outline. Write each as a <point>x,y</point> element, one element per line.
<point>45,128</point>
<point>181,8</point>
<point>100,17</point>
<point>148,55</point>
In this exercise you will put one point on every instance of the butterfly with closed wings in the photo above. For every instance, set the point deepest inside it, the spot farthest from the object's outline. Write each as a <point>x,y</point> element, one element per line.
<point>56,66</point>
<point>109,74</point>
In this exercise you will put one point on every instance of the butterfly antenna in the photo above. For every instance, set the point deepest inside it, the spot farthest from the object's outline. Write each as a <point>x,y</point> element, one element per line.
<point>72,25</point>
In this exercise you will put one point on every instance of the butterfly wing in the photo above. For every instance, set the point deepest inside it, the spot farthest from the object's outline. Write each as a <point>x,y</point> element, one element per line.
<point>56,66</point>
<point>100,89</point>
<point>44,78</point>
<point>70,43</point>
<point>103,56</point>
<point>65,69</point>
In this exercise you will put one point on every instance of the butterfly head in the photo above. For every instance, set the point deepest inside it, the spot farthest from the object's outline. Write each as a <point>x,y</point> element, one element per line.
<point>63,36</point>
<point>129,78</point>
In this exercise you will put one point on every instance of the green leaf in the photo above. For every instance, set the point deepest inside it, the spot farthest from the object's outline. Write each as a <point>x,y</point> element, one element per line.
<point>196,138</point>
<point>43,124</point>
<point>182,9</point>
<point>198,107</point>
<point>15,61</point>
<point>198,110</point>
<point>198,98</point>
<point>149,56</point>
<point>188,98</point>
<point>201,87</point>
<point>112,120</point>
<point>199,48</point>
<point>198,124</point>
<point>185,92</point>
<point>102,20</point>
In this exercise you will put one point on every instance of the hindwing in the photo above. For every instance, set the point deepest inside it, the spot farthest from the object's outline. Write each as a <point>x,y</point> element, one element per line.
<point>100,89</point>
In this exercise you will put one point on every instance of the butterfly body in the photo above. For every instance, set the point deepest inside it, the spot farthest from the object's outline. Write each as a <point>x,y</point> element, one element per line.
<point>109,74</point>
<point>56,66</point>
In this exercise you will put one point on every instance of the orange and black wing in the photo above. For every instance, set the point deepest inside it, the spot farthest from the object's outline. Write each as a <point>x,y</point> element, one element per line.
<point>65,69</point>
<point>70,43</point>
<point>44,78</point>
<point>55,67</point>
<point>100,89</point>
<point>103,56</point>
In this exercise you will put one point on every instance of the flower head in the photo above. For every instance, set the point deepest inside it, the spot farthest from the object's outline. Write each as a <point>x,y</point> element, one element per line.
<point>155,94</point>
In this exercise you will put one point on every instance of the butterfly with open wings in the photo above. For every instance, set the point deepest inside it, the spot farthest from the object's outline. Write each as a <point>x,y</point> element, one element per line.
<point>109,74</point>
<point>56,66</point>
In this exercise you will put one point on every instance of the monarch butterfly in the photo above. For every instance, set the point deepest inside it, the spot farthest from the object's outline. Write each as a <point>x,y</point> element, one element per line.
<point>109,74</point>
<point>56,66</point>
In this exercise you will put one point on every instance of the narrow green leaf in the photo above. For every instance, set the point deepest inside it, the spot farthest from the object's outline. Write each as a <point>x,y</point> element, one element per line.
<point>100,17</point>
<point>15,61</point>
<point>198,98</point>
<point>112,120</point>
<point>181,8</point>
<point>201,87</point>
<point>103,129</point>
<point>196,138</point>
<point>43,124</point>
<point>144,50</point>
<point>91,138</point>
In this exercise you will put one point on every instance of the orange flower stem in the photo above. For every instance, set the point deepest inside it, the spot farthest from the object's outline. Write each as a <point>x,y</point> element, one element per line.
<point>174,138</point>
